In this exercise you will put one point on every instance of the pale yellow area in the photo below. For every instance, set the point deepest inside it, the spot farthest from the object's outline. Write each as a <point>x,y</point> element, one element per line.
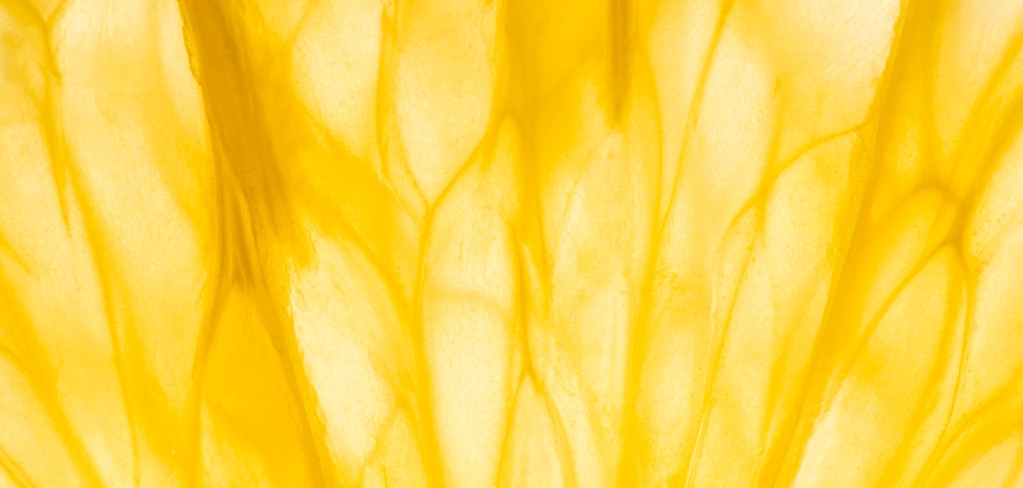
<point>515,243</point>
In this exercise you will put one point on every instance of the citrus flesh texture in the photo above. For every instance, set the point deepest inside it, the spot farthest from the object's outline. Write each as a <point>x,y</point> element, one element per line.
<point>465,243</point>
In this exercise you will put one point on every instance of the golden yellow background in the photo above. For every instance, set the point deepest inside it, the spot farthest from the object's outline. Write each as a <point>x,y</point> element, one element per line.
<point>516,243</point>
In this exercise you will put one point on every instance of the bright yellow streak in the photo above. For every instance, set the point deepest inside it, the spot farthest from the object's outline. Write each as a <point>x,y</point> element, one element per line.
<point>516,243</point>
